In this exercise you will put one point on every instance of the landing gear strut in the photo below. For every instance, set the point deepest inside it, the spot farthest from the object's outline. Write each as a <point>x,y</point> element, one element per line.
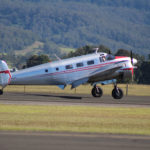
<point>97,91</point>
<point>1,92</point>
<point>117,93</point>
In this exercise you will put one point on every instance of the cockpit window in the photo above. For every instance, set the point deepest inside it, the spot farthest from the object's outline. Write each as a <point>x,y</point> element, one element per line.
<point>102,59</point>
<point>110,57</point>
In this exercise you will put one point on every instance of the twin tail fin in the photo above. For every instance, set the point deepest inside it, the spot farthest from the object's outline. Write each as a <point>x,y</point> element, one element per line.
<point>5,75</point>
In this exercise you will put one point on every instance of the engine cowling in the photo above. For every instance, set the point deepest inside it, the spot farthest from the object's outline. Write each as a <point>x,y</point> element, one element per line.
<point>127,74</point>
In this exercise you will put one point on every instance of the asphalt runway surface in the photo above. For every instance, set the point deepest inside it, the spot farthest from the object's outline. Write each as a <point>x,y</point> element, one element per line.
<point>71,141</point>
<point>72,99</point>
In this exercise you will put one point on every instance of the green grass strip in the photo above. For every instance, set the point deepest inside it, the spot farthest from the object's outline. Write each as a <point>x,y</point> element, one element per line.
<point>133,89</point>
<point>90,119</point>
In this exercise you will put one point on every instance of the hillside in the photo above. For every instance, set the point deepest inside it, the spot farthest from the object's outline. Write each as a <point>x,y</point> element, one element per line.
<point>75,23</point>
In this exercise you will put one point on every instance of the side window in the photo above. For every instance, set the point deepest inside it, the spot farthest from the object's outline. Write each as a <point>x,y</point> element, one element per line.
<point>69,67</point>
<point>79,64</point>
<point>46,70</point>
<point>91,62</point>
<point>57,69</point>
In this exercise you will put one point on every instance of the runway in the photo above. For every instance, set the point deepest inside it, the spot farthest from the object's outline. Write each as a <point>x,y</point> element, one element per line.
<point>67,99</point>
<point>71,141</point>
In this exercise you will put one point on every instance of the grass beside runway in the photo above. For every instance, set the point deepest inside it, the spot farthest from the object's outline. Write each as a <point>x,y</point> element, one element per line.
<point>118,120</point>
<point>133,89</point>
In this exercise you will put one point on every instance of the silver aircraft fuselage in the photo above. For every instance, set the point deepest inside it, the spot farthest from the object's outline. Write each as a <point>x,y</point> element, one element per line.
<point>67,71</point>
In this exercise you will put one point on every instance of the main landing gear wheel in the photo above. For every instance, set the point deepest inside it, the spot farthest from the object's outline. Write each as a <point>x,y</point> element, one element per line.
<point>117,93</point>
<point>97,91</point>
<point>1,92</point>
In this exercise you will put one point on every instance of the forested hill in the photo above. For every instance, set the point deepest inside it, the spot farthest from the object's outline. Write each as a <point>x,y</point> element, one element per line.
<point>75,23</point>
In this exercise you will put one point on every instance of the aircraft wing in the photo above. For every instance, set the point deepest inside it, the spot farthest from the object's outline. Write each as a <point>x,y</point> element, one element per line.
<point>104,71</point>
<point>99,73</point>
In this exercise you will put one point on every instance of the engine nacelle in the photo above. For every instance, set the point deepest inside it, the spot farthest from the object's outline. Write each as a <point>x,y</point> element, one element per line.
<point>127,74</point>
<point>5,75</point>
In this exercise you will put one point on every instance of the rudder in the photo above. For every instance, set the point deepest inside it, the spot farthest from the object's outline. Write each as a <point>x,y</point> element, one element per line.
<point>5,75</point>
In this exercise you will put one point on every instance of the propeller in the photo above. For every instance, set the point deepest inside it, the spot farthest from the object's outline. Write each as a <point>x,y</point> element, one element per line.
<point>133,62</point>
<point>131,56</point>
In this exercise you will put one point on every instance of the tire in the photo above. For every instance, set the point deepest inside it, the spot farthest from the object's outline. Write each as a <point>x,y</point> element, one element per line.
<point>117,93</point>
<point>97,92</point>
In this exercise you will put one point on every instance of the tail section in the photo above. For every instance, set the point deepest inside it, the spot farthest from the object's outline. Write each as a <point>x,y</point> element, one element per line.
<point>5,75</point>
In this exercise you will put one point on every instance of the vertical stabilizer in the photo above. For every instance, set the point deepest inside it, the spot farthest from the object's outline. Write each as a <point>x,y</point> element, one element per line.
<point>5,75</point>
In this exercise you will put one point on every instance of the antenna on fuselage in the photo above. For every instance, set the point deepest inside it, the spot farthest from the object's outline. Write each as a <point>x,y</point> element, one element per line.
<point>96,49</point>
<point>57,57</point>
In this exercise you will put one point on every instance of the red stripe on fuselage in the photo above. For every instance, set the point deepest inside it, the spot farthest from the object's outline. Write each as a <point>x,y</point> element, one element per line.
<point>78,69</point>
<point>127,69</point>
<point>81,69</point>
<point>118,57</point>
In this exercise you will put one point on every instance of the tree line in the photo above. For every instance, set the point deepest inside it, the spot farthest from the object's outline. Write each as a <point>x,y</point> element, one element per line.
<point>74,23</point>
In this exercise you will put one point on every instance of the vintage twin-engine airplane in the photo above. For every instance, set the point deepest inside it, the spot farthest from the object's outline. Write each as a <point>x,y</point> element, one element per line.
<point>92,68</point>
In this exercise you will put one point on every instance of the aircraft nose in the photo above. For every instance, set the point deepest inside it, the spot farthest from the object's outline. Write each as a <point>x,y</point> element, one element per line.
<point>134,61</point>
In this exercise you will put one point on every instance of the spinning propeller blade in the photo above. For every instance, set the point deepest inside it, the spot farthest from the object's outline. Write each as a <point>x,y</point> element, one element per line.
<point>131,56</point>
